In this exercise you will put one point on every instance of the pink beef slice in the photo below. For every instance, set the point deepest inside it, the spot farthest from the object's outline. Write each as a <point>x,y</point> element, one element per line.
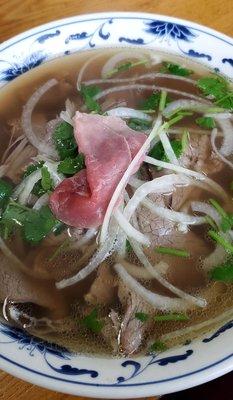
<point>20,288</point>
<point>108,145</point>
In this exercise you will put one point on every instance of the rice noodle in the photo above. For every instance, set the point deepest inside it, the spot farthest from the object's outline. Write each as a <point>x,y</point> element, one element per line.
<point>148,76</point>
<point>157,301</point>
<point>42,201</point>
<point>39,144</point>
<point>144,260</point>
<point>124,180</point>
<point>199,206</point>
<point>141,272</point>
<point>197,327</point>
<point>119,57</point>
<point>129,229</point>
<point>201,177</point>
<point>226,148</point>
<point>191,105</point>
<point>151,88</point>
<point>222,158</point>
<point>126,112</point>
<point>69,112</point>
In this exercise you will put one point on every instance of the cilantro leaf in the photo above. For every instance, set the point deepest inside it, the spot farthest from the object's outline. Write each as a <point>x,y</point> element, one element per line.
<point>217,87</point>
<point>223,272</point>
<point>171,317</point>
<point>70,166</point>
<point>125,67</point>
<point>226,218</point>
<point>158,152</point>
<point>6,190</point>
<point>92,323</point>
<point>38,224</point>
<point>158,346</point>
<point>139,124</point>
<point>175,69</point>
<point>141,316</point>
<point>206,122</point>
<point>46,180</point>
<point>152,102</point>
<point>37,189</point>
<point>128,246</point>
<point>88,93</point>
<point>64,140</point>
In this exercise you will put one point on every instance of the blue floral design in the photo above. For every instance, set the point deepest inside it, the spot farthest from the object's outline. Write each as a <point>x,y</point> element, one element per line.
<point>20,67</point>
<point>43,38</point>
<point>223,328</point>
<point>228,60</point>
<point>85,35</point>
<point>32,344</point>
<point>166,30</point>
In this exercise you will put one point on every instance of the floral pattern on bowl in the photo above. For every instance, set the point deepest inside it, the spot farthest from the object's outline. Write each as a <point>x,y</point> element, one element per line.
<point>50,365</point>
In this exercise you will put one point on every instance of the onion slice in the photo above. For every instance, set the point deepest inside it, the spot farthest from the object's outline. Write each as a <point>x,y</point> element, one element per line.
<point>126,112</point>
<point>129,230</point>
<point>222,158</point>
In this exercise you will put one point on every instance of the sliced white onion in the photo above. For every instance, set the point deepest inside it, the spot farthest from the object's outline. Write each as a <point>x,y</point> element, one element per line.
<point>217,257</point>
<point>222,158</point>
<point>138,86</point>
<point>24,189</point>
<point>157,301</point>
<point>168,148</point>
<point>200,177</point>
<point>175,216</point>
<point>141,272</point>
<point>42,201</point>
<point>101,254</point>
<point>3,169</point>
<point>190,105</point>
<point>144,260</point>
<point>126,112</point>
<point>227,129</point>
<point>199,206</point>
<point>149,76</point>
<point>197,327</point>
<point>129,230</point>
<point>15,144</point>
<point>32,137</point>
<point>69,112</point>
<point>124,180</point>
<point>119,57</point>
<point>84,68</point>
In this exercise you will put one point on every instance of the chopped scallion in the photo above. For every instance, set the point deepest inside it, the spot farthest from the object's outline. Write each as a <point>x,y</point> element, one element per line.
<point>171,317</point>
<point>221,240</point>
<point>171,251</point>
<point>158,346</point>
<point>143,317</point>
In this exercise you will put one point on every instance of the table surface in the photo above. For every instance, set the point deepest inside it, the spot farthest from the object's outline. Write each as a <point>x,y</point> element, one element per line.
<point>17,16</point>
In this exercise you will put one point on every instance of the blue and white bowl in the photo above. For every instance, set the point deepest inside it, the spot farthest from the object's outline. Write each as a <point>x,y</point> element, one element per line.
<point>51,366</point>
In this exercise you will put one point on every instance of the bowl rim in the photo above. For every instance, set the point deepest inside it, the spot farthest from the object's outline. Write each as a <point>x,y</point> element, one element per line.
<point>202,375</point>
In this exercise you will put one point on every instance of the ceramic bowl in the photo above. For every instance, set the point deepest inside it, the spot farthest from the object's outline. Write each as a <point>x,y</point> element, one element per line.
<point>51,366</point>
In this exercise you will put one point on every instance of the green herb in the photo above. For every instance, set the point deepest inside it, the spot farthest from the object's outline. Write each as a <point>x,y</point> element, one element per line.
<point>205,122</point>
<point>63,246</point>
<point>143,317</point>
<point>158,152</point>
<point>139,124</point>
<point>88,93</point>
<point>64,140</point>
<point>171,317</point>
<point>211,222</point>
<point>46,180</point>
<point>221,240</point>
<point>128,246</point>
<point>158,346</point>
<point>35,224</point>
<point>152,102</point>
<point>37,189</point>
<point>185,140</point>
<point>38,224</point>
<point>59,228</point>
<point>162,100</point>
<point>175,69</point>
<point>217,87</point>
<point>125,67</point>
<point>92,323</point>
<point>6,190</point>
<point>70,166</point>
<point>223,272</point>
<point>227,218</point>
<point>171,251</point>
